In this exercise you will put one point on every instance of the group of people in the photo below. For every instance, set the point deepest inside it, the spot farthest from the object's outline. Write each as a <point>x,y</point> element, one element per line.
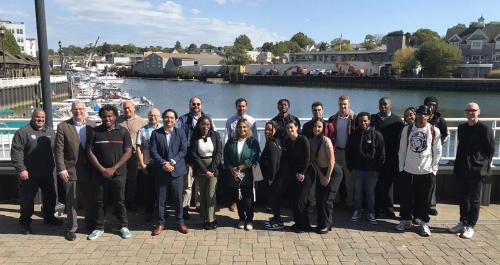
<point>351,158</point>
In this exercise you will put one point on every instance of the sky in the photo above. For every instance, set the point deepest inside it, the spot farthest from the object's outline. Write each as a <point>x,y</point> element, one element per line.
<point>219,22</point>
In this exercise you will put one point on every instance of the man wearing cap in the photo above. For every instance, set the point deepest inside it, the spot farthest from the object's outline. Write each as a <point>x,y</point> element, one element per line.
<point>476,146</point>
<point>419,154</point>
<point>438,121</point>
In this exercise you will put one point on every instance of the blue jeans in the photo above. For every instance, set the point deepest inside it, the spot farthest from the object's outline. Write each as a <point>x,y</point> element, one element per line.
<point>364,184</point>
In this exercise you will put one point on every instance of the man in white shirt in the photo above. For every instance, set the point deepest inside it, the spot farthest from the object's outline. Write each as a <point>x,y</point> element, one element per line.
<point>419,154</point>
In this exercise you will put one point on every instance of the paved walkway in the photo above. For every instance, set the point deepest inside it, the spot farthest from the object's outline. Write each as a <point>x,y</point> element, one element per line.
<point>348,243</point>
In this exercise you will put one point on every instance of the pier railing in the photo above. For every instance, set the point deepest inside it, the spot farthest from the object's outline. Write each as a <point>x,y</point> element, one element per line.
<point>449,148</point>
<point>26,81</point>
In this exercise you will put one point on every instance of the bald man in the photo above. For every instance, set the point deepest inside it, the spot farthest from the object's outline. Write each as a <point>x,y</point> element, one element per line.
<point>32,157</point>
<point>144,177</point>
<point>476,146</point>
<point>132,123</point>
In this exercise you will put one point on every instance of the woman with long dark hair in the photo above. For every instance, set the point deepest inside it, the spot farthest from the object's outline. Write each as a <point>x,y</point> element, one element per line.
<point>240,154</point>
<point>206,153</point>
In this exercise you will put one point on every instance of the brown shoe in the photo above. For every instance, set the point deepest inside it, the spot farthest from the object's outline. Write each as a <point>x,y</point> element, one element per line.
<point>233,207</point>
<point>157,230</point>
<point>183,229</point>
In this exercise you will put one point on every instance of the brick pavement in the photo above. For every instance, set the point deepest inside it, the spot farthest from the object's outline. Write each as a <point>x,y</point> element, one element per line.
<point>348,243</point>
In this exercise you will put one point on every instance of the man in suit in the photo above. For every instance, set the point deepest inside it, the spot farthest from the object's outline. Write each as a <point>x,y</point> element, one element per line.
<point>72,166</point>
<point>168,147</point>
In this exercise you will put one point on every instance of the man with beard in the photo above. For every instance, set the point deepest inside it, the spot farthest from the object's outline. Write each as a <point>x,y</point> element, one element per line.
<point>283,118</point>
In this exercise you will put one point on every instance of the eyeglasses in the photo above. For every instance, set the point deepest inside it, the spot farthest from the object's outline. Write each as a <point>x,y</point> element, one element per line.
<point>470,110</point>
<point>195,104</point>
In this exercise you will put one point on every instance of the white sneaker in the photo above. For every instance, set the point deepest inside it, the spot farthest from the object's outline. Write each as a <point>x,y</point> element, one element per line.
<point>457,229</point>
<point>125,233</point>
<point>249,226</point>
<point>356,215</point>
<point>241,225</point>
<point>95,234</point>
<point>424,229</point>
<point>403,225</point>
<point>468,232</point>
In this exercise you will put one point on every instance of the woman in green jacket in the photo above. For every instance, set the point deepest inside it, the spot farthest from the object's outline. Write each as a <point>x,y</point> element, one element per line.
<point>240,154</point>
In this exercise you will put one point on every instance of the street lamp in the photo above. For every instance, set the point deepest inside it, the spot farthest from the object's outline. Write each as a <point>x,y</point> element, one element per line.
<point>61,57</point>
<point>2,34</point>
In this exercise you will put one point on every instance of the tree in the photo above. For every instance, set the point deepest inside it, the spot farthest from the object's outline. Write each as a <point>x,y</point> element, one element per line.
<point>267,46</point>
<point>283,47</point>
<point>243,42</point>
<point>207,46</point>
<point>11,43</point>
<point>370,42</point>
<point>104,49</point>
<point>191,48</point>
<point>236,55</point>
<point>178,46</point>
<point>404,60</point>
<point>323,46</point>
<point>336,45</point>
<point>302,40</point>
<point>460,26</point>
<point>438,58</point>
<point>422,36</point>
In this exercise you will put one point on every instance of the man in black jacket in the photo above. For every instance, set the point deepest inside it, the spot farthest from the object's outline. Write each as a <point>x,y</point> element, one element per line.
<point>390,125</point>
<point>32,156</point>
<point>438,121</point>
<point>283,118</point>
<point>365,153</point>
<point>476,146</point>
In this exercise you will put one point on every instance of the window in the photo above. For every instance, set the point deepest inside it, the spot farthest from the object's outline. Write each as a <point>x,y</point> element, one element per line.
<point>476,44</point>
<point>498,45</point>
<point>19,31</point>
<point>22,48</point>
<point>20,40</point>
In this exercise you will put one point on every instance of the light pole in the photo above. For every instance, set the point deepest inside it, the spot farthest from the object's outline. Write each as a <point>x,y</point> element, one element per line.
<point>2,34</point>
<point>61,57</point>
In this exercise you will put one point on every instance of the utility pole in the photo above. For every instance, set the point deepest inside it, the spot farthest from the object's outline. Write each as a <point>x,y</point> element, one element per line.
<point>61,58</point>
<point>41,30</point>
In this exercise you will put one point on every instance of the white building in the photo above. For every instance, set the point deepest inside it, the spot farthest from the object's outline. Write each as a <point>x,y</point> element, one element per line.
<point>30,47</point>
<point>18,29</point>
<point>264,57</point>
<point>253,55</point>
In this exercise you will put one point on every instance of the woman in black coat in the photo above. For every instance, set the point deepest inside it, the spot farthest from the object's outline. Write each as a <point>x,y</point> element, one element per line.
<point>206,153</point>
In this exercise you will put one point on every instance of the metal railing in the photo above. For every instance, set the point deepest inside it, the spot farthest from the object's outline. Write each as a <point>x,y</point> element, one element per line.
<point>448,153</point>
<point>27,81</point>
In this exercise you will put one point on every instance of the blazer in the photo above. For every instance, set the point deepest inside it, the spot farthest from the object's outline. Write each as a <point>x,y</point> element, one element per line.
<point>160,152</point>
<point>69,153</point>
<point>216,154</point>
<point>249,156</point>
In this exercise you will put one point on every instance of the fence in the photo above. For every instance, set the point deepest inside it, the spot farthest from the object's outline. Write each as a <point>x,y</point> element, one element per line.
<point>27,81</point>
<point>448,154</point>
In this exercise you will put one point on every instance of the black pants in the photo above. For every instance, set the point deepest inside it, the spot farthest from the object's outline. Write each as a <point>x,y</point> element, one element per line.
<point>469,195</point>
<point>304,200</point>
<point>103,188</point>
<point>245,205</point>
<point>146,189</point>
<point>86,186</point>
<point>384,191</point>
<point>326,195</point>
<point>415,195</point>
<point>27,192</point>
<point>277,193</point>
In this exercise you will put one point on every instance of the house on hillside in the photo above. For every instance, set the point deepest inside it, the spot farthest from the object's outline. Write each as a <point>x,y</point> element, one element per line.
<point>480,46</point>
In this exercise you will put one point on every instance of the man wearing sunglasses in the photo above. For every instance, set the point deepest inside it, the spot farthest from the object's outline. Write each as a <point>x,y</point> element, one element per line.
<point>186,123</point>
<point>476,146</point>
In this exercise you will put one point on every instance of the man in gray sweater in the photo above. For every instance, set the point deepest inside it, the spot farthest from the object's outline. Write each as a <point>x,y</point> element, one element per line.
<point>32,156</point>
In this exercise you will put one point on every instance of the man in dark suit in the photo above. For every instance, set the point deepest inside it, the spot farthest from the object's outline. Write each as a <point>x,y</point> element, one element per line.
<point>168,147</point>
<point>72,166</point>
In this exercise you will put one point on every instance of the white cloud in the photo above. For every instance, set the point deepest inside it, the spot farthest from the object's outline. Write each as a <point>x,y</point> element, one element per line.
<point>306,20</point>
<point>160,24</point>
<point>222,2</point>
<point>195,11</point>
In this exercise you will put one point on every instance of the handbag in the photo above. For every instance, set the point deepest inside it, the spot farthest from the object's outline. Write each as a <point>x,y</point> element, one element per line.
<point>257,172</point>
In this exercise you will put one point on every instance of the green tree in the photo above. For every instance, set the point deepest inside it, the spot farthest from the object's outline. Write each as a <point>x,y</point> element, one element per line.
<point>422,36</point>
<point>243,42</point>
<point>323,46</point>
<point>207,46</point>
<point>178,46</point>
<point>267,46</point>
<point>191,48</point>
<point>104,49</point>
<point>438,58</point>
<point>236,55</point>
<point>404,60</point>
<point>370,42</point>
<point>302,40</point>
<point>283,47</point>
<point>339,44</point>
<point>11,43</point>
